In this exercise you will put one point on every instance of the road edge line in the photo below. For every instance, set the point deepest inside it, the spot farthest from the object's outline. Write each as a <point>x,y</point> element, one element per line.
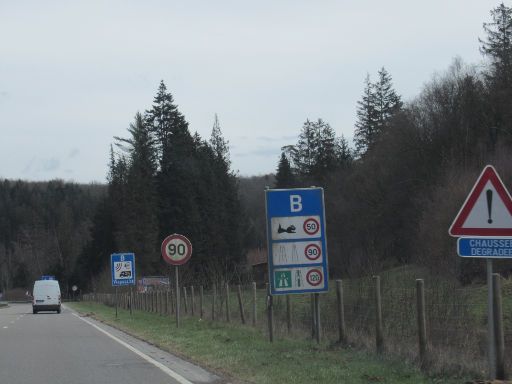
<point>149,359</point>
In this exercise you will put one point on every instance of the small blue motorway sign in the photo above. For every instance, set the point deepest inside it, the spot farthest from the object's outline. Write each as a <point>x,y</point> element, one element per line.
<point>123,268</point>
<point>499,248</point>
<point>297,243</point>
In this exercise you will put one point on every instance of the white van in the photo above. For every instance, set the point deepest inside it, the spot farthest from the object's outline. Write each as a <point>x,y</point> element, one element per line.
<point>46,296</point>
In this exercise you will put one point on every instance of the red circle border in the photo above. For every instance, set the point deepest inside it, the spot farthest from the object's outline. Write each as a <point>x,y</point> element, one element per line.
<point>315,246</point>
<point>319,272</point>
<point>317,226</point>
<point>182,238</point>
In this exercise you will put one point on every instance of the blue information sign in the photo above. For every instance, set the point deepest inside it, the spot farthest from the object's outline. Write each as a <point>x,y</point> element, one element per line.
<point>499,248</point>
<point>123,268</point>
<point>297,244</point>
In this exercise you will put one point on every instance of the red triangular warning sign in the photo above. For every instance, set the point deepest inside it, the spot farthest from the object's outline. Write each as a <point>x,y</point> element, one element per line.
<point>487,210</point>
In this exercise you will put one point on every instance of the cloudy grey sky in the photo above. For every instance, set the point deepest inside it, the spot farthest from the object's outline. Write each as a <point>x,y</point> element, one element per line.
<point>74,73</point>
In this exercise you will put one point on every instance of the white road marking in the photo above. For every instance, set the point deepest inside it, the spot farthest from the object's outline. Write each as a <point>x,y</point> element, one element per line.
<point>180,379</point>
<point>5,327</point>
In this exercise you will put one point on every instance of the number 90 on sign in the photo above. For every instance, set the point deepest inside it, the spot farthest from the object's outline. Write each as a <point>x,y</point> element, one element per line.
<point>176,249</point>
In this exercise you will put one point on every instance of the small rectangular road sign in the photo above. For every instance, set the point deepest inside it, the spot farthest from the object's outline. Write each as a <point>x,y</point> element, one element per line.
<point>297,244</point>
<point>499,248</point>
<point>123,268</point>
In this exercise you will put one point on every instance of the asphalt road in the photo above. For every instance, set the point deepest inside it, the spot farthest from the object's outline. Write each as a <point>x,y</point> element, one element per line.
<point>67,349</point>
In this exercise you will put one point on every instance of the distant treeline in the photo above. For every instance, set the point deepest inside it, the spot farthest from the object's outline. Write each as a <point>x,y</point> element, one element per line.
<point>389,199</point>
<point>43,230</point>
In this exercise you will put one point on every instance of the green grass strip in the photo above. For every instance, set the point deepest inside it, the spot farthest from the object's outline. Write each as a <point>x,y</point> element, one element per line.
<point>244,353</point>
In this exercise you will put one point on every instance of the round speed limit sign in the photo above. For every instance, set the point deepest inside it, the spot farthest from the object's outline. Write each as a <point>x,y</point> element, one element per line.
<point>176,249</point>
<point>314,277</point>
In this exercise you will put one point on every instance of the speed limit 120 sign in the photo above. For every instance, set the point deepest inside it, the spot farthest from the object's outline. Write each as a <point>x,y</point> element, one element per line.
<point>297,244</point>
<point>176,249</point>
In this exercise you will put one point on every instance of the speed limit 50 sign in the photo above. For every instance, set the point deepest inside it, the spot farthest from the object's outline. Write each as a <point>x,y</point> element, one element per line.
<point>297,245</point>
<point>176,249</point>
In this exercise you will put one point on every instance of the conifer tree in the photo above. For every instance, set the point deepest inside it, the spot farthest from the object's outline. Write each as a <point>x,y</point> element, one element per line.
<point>378,104</point>
<point>498,47</point>
<point>325,159</point>
<point>387,101</point>
<point>343,152</point>
<point>219,145</point>
<point>284,176</point>
<point>366,125</point>
<point>306,148</point>
<point>141,226</point>
<point>228,244</point>
<point>176,207</point>
<point>498,44</point>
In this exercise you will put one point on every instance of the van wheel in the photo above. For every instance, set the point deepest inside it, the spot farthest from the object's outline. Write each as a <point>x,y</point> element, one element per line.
<point>58,310</point>
<point>34,311</point>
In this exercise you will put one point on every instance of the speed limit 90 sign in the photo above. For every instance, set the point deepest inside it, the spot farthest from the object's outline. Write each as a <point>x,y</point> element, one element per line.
<point>176,249</point>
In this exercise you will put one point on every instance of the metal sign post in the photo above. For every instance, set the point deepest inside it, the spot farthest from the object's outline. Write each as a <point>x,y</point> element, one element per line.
<point>490,322</point>
<point>116,300</point>
<point>176,250</point>
<point>177,290</point>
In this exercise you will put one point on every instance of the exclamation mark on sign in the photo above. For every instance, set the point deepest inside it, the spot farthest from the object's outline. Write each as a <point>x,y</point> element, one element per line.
<point>489,205</point>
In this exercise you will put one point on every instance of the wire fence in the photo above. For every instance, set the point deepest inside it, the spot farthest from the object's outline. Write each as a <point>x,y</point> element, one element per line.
<point>456,323</point>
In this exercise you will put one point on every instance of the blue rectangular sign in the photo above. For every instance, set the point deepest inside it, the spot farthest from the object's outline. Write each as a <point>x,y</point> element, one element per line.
<point>499,248</point>
<point>123,268</point>
<point>297,242</point>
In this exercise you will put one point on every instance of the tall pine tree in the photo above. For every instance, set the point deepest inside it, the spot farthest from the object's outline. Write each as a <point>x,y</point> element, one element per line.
<point>498,48</point>
<point>177,209</point>
<point>141,225</point>
<point>378,104</point>
<point>284,175</point>
<point>366,125</point>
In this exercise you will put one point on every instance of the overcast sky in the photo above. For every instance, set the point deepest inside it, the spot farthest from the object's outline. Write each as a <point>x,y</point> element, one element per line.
<point>74,73</point>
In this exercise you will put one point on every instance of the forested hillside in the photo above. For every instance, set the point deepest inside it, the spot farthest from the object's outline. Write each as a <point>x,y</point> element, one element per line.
<point>391,199</point>
<point>43,229</point>
<point>390,196</point>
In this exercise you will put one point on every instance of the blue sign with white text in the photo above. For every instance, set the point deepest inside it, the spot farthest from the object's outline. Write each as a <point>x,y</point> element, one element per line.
<point>123,268</point>
<point>500,248</point>
<point>297,244</point>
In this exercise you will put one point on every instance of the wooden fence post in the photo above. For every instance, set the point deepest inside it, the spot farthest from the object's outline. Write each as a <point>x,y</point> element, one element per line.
<point>185,299</point>
<point>240,304</point>
<point>422,321</point>
<point>213,302</point>
<point>228,316</point>
<point>192,300</point>
<point>379,339</point>
<point>254,303</point>
<point>499,337</point>
<point>288,313</point>
<point>342,338</point>
<point>201,301</point>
